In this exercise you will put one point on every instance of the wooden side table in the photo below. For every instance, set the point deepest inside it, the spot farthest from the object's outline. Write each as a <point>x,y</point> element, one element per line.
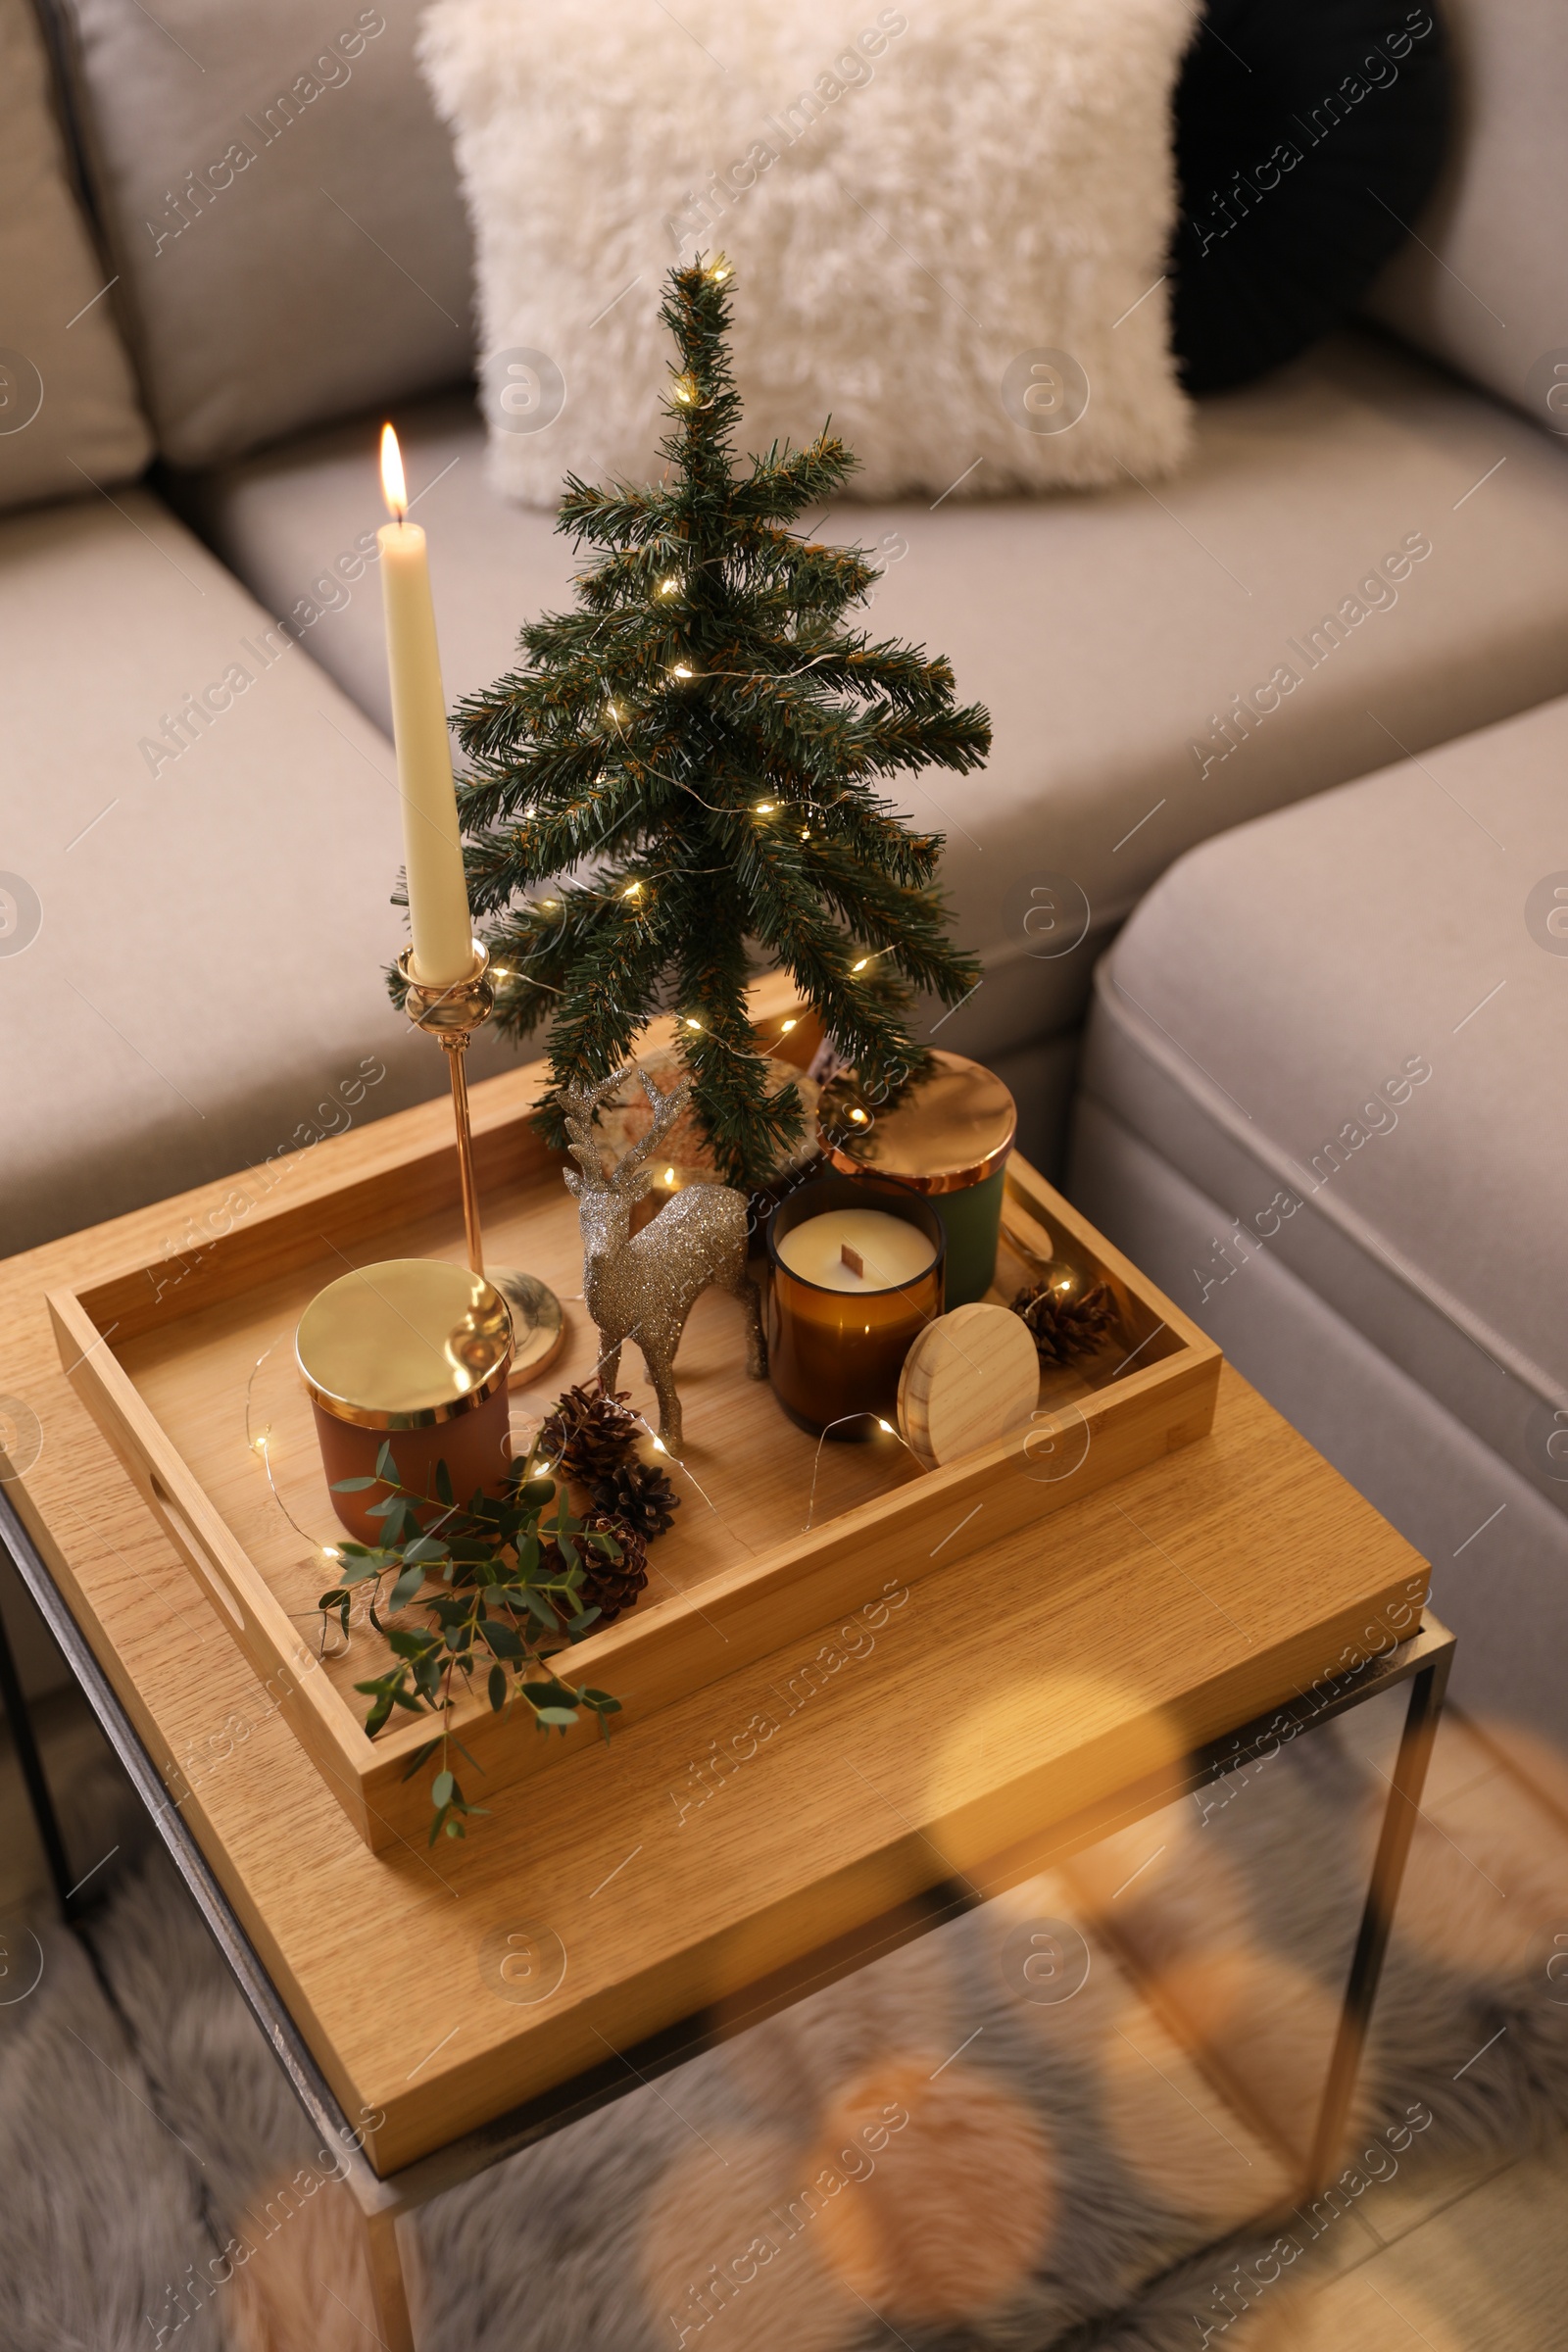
<point>1145,1640</point>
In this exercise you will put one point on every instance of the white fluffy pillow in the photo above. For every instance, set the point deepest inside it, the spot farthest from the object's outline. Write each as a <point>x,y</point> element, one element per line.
<point>946,217</point>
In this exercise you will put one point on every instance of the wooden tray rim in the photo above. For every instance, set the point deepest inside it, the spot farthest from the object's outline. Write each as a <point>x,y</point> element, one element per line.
<point>225,1571</point>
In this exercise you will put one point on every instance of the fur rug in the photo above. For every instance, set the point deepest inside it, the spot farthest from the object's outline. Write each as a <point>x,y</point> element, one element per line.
<point>971,2146</point>
<point>921,205</point>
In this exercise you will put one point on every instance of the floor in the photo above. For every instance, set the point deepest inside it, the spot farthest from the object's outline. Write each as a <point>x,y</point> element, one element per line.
<point>1481,2265</point>
<point>1474,2262</point>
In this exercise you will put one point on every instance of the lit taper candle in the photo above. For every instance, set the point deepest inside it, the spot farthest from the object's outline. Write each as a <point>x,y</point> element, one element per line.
<point>438,896</point>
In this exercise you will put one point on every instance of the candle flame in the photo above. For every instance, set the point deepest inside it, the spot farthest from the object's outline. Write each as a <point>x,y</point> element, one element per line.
<point>394,489</point>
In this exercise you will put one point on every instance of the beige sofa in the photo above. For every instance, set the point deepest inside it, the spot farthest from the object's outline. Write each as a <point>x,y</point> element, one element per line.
<point>243,245</point>
<point>1320,1098</point>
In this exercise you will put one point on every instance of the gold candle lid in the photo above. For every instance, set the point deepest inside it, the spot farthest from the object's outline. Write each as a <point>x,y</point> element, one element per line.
<point>952,1129</point>
<point>404,1345</point>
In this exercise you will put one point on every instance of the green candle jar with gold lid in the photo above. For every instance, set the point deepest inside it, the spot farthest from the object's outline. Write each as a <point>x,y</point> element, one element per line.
<point>948,1137</point>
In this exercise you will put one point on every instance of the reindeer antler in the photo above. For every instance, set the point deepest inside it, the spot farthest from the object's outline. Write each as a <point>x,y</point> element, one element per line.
<point>579,1108</point>
<point>666,1109</point>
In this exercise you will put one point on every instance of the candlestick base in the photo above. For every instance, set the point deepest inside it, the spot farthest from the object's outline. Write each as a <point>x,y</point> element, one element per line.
<point>538,1322</point>
<point>451,1015</point>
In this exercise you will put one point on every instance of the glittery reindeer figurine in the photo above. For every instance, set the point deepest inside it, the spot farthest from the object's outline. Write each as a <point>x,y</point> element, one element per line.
<point>642,1286</point>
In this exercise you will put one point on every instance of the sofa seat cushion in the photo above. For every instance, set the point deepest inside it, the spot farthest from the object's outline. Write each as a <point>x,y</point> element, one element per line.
<point>201,836</point>
<point>1109,634</point>
<point>1343,1024</point>
<point>1499,1549</point>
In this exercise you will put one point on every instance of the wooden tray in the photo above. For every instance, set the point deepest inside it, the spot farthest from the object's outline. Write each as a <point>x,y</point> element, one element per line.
<point>185,1365</point>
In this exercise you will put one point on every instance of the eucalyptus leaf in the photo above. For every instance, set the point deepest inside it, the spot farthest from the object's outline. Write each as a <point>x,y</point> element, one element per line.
<point>422,1755</point>
<point>407,1586</point>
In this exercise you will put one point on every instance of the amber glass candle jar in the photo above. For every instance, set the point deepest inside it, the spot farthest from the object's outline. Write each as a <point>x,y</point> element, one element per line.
<point>838,1331</point>
<point>412,1352</point>
<point>949,1139</point>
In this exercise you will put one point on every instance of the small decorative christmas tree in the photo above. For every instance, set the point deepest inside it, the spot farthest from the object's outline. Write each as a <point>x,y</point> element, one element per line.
<point>696,746</point>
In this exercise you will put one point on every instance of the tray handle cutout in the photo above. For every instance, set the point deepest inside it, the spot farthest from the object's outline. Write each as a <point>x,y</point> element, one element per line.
<point>181,1529</point>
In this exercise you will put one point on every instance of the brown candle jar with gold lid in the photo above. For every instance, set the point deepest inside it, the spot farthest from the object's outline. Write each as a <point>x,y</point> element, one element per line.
<point>949,1138</point>
<point>412,1352</point>
<point>844,1306</point>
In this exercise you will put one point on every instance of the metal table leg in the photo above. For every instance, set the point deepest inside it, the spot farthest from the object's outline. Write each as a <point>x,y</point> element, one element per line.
<point>1377,1917</point>
<point>25,1741</point>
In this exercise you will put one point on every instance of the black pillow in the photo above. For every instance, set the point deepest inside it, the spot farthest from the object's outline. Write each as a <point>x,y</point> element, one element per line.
<point>1309,135</point>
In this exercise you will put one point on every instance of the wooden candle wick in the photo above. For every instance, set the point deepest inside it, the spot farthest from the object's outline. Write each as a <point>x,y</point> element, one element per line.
<point>853,1260</point>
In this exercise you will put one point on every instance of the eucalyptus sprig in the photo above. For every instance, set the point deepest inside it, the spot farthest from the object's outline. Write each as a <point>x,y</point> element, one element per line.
<point>494,1576</point>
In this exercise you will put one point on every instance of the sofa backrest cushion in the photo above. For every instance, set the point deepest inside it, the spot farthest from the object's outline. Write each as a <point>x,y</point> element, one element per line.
<point>68,418</point>
<point>283,207</point>
<point>1485,289</point>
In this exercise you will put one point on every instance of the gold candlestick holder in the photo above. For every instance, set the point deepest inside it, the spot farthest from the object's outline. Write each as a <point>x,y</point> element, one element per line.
<point>451,1016</point>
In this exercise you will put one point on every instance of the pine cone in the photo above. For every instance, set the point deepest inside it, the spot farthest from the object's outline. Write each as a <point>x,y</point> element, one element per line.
<point>589,1434</point>
<point>611,1585</point>
<point>1066,1328</point>
<point>640,1493</point>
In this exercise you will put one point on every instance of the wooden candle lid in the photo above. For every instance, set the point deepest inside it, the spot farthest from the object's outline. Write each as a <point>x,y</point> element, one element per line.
<point>969,1378</point>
